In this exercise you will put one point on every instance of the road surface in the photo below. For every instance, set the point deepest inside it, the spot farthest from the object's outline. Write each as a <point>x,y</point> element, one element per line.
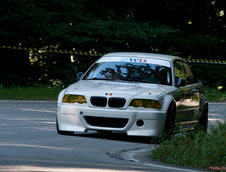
<point>29,142</point>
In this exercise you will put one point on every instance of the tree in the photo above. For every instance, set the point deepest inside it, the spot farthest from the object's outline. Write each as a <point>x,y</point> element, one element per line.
<point>188,28</point>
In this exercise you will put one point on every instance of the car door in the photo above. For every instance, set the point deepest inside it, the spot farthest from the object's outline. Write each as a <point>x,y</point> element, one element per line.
<point>188,103</point>
<point>196,89</point>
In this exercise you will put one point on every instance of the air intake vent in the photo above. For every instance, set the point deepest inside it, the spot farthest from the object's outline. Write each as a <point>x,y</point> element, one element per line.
<point>106,122</point>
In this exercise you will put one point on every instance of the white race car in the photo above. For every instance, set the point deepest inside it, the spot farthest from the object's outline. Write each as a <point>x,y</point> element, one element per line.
<point>141,94</point>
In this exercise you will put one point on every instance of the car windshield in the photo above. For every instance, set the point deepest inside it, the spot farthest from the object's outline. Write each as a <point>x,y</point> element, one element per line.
<point>130,71</point>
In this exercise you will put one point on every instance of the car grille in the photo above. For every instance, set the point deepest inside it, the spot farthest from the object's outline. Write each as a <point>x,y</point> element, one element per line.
<point>115,102</point>
<point>106,122</point>
<point>98,101</point>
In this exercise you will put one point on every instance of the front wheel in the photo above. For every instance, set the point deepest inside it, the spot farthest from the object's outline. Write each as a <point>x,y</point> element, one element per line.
<point>203,121</point>
<point>170,120</point>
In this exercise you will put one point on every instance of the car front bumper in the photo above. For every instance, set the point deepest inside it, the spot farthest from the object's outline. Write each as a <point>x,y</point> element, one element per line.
<point>133,121</point>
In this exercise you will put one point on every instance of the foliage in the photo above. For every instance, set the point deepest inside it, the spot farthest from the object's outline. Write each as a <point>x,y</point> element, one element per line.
<point>211,75</point>
<point>54,70</point>
<point>187,28</point>
<point>195,149</point>
<point>214,95</point>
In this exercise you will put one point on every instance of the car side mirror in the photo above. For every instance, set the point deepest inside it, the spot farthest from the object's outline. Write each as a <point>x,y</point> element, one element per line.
<point>79,75</point>
<point>180,82</point>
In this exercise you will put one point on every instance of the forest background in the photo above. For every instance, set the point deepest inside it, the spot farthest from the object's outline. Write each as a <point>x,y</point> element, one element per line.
<point>191,29</point>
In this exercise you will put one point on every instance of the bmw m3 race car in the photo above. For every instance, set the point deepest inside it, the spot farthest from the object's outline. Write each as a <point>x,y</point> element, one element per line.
<point>141,94</point>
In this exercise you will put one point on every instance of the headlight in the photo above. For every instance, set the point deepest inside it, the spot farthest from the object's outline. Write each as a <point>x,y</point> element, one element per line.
<point>69,98</point>
<point>146,103</point>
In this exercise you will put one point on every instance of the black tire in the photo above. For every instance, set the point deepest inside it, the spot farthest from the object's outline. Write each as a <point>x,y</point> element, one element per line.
<point>170,120</point>
<point>63,132</point>
<point>203,121</point>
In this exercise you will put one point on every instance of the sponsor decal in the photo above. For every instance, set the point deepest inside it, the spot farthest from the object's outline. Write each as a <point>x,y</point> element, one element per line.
<point>108,94</point>
<point>139,60</point>
<point>217,168</point>
<point>136,60</point>
<point>125,59</point>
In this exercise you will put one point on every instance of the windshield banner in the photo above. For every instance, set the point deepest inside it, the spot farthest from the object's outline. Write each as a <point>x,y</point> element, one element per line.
<point>135,60</point>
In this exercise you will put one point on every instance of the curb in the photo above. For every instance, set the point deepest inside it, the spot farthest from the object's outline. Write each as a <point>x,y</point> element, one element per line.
<point>141,156</point>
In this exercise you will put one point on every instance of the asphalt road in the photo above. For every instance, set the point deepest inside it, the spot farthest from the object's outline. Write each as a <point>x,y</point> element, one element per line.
<point>29,142</point>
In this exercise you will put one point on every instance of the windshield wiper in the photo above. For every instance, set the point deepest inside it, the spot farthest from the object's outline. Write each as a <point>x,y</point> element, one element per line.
<point>98,79</point>
<point>119,80</point>
<point>143,81</point>
<point>107,79</point>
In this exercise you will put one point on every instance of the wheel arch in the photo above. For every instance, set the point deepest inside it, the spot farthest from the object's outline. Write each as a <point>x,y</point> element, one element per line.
<point>60,96</point>
<point>167,101</point>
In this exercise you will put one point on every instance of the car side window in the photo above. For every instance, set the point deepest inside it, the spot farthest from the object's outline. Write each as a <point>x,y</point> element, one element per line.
<point>183,71</point>
<point>191,76</point>
<point>180,71</point>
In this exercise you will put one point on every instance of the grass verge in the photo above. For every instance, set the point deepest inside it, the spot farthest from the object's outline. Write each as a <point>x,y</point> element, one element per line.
<point>214,95</point>
<point>29,93</point>
<point>201,150</point>
<point>46,93</point>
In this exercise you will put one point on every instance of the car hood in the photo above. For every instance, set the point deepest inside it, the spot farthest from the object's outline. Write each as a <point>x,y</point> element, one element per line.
<point>117,89</point>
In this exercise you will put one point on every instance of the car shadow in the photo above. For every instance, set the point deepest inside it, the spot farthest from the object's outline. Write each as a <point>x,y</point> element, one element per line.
<point>119,137</point>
